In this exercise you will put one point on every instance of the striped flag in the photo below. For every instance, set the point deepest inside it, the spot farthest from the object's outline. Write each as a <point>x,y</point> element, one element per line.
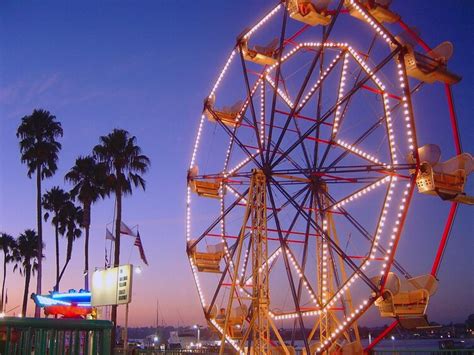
<point>124,229</point>
<point>139,245</point>
<point>109,235</point>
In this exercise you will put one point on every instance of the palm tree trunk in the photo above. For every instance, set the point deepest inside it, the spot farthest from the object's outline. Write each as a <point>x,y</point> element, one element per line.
<point>25,293</point>
<point>62,273</point>
<point>3,283</point>
<point>118,220</point>
<point>68,259</point>
<point>86,222</point>
<point>57,256</point>
<point>86,259</point>
<point>40,237</point>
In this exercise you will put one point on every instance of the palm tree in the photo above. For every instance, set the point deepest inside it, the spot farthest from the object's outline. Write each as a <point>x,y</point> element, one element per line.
<point>27,260</point>
<point>8,245</point>
<point>71,217</point>
<point>53,201</point>
<point>88,178</point>
<point>124,162</point>
<point>39,151</point>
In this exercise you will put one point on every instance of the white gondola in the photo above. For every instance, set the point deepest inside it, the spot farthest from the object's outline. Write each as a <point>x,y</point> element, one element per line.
<point>209,260</point>
<point>227,115</point>
<point>406,300</point>
<point>380,9</point>
<point>445,179</point>
<point>263,55</point>
<point>203,187</point>
<point>310,13</point>
<point>235,322</point>
<point>431,66</point>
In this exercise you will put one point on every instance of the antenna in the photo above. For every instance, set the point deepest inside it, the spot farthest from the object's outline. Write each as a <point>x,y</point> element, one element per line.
<point>157,314</point>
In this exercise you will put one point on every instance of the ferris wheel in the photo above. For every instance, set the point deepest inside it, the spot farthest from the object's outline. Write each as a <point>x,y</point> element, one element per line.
<point>305,164</point>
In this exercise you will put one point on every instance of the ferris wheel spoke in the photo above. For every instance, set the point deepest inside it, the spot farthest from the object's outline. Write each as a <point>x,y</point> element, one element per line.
<point>276,85</point>
<point>217,221</point>
<point>346,105</point>
<point>234,137</point>
<point>333,108</point>
<point>288,232</point>
<point>362,191</point>
<point>297,106</point>
<point>372,128</point>
<point>251,104</point>
<point>308,75</point>
<point>357,270</point>
<point>368,236</point>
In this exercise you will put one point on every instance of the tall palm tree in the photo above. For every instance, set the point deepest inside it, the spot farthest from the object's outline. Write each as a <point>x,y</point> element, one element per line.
<point>71,217</point>
<point>27,260</point>
<point>88,177</point>
<point>124,162</point>
<point>53,201</point>
<point>8,245</point>
<point>39,149</point>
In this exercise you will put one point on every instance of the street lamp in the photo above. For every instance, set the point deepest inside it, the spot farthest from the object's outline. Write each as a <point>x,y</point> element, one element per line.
<point>199,332</point>
<point>393,342</point>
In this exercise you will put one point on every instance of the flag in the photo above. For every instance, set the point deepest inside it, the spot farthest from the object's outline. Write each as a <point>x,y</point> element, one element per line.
<point>139,245</point>
<point>124,229</point>
<point>106,259</point>
<point>109,235</point>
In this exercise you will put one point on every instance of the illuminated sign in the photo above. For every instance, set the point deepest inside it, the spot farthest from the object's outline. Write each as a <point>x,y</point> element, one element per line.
<point>112,286</point>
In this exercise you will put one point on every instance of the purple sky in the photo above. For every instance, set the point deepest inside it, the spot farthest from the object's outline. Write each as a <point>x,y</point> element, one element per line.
<point>146,68</point>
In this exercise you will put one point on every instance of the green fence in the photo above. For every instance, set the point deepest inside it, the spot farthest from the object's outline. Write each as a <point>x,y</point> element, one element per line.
<point>26,336</point>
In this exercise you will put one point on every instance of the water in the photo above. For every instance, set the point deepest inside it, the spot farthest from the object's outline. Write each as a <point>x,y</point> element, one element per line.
<point>410,344</point>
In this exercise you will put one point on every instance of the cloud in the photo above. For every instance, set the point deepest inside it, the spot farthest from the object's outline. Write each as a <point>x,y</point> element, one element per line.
<point>22,92</point>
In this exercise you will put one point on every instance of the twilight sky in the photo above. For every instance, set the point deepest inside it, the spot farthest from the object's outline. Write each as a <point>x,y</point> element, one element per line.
<point>146,67</point>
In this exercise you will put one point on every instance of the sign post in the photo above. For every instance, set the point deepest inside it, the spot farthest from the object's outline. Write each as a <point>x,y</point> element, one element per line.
<point>113,287</point>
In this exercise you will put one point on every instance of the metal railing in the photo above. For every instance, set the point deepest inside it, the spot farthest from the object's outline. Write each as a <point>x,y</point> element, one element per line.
<point>44,336</point>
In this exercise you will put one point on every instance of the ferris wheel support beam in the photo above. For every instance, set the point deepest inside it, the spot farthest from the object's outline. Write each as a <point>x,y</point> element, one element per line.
<point>333,108</point>
<point>283,246</point>
<point>306,80</point>
<point>303,266</point>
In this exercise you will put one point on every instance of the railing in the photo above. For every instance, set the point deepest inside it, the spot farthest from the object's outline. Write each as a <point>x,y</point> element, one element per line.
<point>54,336</point>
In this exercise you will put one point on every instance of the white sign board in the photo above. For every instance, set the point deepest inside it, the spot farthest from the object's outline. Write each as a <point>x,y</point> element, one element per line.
<point>112,286</point>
